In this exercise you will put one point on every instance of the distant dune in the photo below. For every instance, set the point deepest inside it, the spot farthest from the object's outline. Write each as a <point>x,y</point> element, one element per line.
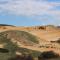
<point>5,25</point>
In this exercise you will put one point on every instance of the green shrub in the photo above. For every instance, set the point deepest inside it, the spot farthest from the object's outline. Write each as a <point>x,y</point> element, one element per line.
<point>48,55</point>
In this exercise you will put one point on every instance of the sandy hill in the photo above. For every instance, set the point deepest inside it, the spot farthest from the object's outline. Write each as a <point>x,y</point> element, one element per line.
<point>33,39</point>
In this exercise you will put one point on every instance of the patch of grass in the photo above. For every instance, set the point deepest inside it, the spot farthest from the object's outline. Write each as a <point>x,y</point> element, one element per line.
<point>10,46</point>
<point>22,34</point>
<point>4,56</point>
<point>28,51</point>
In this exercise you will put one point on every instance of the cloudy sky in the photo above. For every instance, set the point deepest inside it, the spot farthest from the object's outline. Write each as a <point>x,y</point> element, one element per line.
<point>30,12</point>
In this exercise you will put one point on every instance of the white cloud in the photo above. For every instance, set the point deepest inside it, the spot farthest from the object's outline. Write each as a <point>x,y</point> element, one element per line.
<point>27,7</point>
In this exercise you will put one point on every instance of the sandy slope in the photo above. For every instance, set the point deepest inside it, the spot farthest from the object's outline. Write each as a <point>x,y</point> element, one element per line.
<point>47,35</point>
<point>44,35</point>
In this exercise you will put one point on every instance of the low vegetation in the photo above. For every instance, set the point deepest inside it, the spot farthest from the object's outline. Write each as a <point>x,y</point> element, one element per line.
<point>48,55</point>
<point>58,41</point>
<point>22,35</point>
<point>11,49</point>
<point>28,51</point>
<point>22,57</point>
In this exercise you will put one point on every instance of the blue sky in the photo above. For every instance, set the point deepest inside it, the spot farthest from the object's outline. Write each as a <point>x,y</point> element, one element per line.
<point>30,12</point>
